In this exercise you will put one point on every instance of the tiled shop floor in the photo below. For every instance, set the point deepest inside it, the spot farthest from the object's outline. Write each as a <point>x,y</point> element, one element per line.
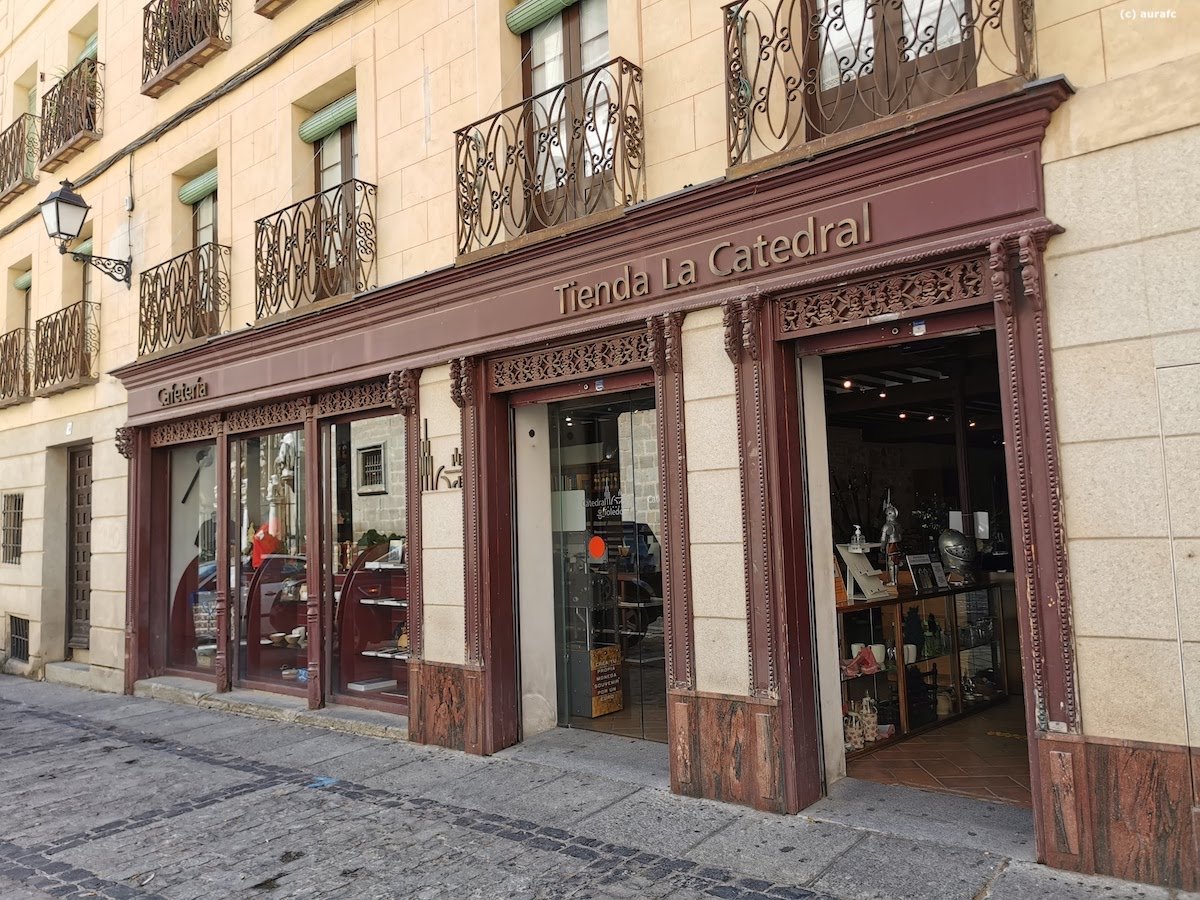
<point>985,756</point>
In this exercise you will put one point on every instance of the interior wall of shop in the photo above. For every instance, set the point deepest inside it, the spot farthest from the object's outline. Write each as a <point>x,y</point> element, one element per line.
<point>1125,330</point>
<point>535,569</point>
<point>442,560</point>
<point>716,548</point>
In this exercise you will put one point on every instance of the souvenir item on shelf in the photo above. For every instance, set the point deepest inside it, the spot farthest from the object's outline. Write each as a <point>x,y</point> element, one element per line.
<point>958,556</point>
<point>869,713</point>
<point>880,653</point>
<point>922,572</point>
<point>910,653</point>
<point>891,527</point>
<point>854,730</point>
<point>945,704</point>
<point>858,541</point>
<point>856,649</point>
<point>863,582</point>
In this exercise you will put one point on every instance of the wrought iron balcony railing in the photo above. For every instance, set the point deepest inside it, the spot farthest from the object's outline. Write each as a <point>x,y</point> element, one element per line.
<point>184,299</point>
<point>71,114</point>
<point>66,349</point>
<point>798,70</point>
<point>18,158</point>
<point>178,37</point>
<point>318,248</point>
<point>565,153</point>
<point>14,367</point>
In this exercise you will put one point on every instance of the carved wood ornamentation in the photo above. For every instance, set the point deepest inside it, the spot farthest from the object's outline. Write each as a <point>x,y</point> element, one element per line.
<point>353,398</point>
<point>599,356</point>
<point>125,438</point>
<point>269,415</point>
<point>183,431</point>
<point>957,282</point>
<point>402,389</point>
<point>742,319</point>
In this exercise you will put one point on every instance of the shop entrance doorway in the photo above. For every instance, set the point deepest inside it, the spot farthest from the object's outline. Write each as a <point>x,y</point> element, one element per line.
<point>922,667</point>
<point>589,560</point>
<point>608,587</point>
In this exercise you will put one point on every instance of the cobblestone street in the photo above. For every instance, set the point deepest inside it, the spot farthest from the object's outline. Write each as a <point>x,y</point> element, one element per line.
<point>120,797</point>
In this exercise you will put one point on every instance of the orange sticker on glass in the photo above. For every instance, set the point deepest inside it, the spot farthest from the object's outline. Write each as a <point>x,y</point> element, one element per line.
<point>597,547</point>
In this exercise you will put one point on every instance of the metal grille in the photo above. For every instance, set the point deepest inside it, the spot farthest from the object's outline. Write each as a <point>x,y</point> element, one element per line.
<point>565,153</point>
<point>318,248</point>
<point>184,299</point>
<point>173,31</point>
<point>370,468</point>
<point>15,347</point>
<point>18,157</point>
<point>66,344</point>
<point>18,638</point>
<point>71,114</point>
<point>10,528</point>
<point>798,70</point>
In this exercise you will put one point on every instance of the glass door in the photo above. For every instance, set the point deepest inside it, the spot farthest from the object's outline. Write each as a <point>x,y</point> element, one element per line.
<point>608,565</point>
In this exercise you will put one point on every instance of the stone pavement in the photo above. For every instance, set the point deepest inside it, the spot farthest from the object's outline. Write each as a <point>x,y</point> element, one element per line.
<point>128,797</point>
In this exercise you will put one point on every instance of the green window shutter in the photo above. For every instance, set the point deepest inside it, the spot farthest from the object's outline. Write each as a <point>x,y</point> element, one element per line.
<point>531,13</point>
<point>198,188</point>
<point>84,248</point>
<point>325,122</point>
<point>24,281</point>
<point>90,48</point>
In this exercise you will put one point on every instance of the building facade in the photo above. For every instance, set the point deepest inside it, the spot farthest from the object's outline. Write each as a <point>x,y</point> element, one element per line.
<point>556,350</point>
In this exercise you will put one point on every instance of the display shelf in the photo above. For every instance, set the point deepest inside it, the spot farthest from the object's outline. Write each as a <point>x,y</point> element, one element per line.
<point>378,565</point>
<point>386,654</point>
<point>912,701</point>
<point>383,601</point>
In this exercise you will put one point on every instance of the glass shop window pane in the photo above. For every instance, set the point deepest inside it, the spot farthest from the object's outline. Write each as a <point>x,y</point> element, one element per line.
<point>273,620</point>
<point>192,558</point>
<point>367,558</point>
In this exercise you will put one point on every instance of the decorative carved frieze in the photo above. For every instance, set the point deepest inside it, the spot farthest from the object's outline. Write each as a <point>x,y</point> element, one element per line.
<point>269,415</point>
<point>354,397</point>
<point>124,439</point>
<point>599,356</point>
<point>182,431</point>
<point>955,282</point>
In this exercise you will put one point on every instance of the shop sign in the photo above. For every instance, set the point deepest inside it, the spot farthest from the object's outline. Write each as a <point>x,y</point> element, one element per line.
<point>607,695</point>
<point>722,260</point>
<point>183,392</point>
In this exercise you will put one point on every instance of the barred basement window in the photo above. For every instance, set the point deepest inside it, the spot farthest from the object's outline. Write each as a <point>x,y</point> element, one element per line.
<point>12,518</point>
<point>18,638</point>
<point>372,471</point>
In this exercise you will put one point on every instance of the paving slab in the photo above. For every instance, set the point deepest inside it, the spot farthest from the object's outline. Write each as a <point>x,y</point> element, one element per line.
<point>943,818</point>
<point>886,867</point>
<point>650,818</point>
<point>594,753</point>
<point>1029,881</point>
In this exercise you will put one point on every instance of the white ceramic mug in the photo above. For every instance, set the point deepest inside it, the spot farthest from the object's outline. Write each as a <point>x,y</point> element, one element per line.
<point>856,649</point>
<point>880,651</point>
<point>910,653</point>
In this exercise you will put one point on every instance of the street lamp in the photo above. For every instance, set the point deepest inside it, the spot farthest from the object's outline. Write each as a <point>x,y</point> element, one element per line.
<point>64,213</point>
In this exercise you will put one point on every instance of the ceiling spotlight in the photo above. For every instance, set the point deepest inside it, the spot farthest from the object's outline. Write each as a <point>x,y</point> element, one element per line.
<point>847,384</point>
<point>904,415</point>
<point>930,418</point>
<point>883,395</point>
<point>971,424</point>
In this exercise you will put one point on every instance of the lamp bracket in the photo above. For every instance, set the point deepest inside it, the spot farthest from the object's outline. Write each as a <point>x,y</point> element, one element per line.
<point>116,269</point>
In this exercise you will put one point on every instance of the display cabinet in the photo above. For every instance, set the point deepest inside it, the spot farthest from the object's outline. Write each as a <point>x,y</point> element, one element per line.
<point>371,628</point>
<point>275,641</point>
<point>924,658</point>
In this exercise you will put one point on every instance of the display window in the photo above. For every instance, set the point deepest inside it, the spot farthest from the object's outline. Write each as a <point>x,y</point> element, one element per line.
<point>191,591</point>
<point>269,570</point>
<point>367,505</point>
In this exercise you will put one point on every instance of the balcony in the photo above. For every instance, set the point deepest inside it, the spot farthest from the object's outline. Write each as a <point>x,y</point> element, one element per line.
<point>797,73</point>
<point>14,367</point>
<point>71,114</point>
<point>178,37</point>
<point>18,158</point>
<point>317,249</point>
<point>569,152</point>
<point>184,299</point>
<point>66,348</point>
<point>269,9</point>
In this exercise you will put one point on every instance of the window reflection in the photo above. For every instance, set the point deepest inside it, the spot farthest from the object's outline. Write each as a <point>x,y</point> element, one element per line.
<point>192,558</point>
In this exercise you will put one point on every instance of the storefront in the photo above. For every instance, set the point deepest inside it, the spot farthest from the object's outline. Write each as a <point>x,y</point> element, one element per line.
<point>580,483</point>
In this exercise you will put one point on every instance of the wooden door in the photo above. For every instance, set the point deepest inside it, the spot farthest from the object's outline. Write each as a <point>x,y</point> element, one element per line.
<point>79,549</point>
